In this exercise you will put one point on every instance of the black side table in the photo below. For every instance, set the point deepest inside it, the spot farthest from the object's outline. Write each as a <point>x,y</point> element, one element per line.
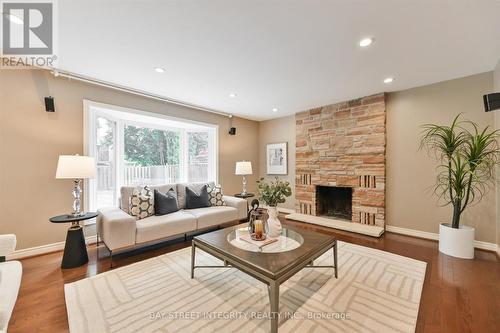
<point>75,249</point>
<point>244,196</point>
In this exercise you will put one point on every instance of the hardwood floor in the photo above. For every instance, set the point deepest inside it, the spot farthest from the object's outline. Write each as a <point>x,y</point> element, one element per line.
<point>458,296</point>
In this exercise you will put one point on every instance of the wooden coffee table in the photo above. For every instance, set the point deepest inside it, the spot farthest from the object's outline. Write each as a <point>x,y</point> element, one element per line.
<point>274,264</point>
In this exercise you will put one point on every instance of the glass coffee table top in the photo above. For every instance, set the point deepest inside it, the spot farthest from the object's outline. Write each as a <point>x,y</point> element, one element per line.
<point>299,245</point>
<point>287,241</point>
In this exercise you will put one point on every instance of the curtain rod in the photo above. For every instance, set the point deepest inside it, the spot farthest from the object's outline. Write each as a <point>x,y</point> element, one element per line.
<point>69,75</point>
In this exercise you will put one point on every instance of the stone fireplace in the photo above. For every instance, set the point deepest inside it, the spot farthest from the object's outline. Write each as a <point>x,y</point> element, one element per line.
<point>340,160</point>
<point>334,202</point>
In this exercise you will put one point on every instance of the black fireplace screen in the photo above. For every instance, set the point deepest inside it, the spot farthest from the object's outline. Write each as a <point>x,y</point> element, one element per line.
<point>334,202</point>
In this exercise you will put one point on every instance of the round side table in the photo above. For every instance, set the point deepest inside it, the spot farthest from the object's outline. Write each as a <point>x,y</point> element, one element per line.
<point>245,196</point>
<point>75,249</point>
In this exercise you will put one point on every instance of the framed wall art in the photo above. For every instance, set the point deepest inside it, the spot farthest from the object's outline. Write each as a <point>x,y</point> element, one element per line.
<point>277,158</point>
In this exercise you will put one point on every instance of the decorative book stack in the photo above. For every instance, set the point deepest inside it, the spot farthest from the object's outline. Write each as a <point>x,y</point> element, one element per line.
<point>260,244</point>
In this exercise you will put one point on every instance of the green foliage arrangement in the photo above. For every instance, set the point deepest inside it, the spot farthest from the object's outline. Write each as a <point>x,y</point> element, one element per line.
<point>467,156</point>
<point>275,192</point>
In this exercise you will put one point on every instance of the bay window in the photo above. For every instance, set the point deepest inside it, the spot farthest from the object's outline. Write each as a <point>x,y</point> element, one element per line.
<point>135,148</point>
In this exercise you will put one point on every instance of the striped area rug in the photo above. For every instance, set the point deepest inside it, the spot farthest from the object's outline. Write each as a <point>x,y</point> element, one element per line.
<point>376,292</point>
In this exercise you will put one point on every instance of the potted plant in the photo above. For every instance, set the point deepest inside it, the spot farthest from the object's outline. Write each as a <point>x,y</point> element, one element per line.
<point>467,159</point>
<point>272,194</point>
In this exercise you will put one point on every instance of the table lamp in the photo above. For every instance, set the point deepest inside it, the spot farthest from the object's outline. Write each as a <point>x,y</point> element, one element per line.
<point>76,167</point>
<point>244,168</point>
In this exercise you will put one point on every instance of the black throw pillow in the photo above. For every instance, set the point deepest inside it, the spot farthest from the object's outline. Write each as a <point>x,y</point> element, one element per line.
<point>197,200</point>
<point>165,203</point>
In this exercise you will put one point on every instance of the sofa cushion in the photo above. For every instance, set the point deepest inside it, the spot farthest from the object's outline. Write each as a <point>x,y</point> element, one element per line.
<point>181,191</point>
<point>214,215</point>
<point>197,199</point>
<point>10,280</point>
<point>165,203</point>
<point>126,193</point>
<point>158,227</point>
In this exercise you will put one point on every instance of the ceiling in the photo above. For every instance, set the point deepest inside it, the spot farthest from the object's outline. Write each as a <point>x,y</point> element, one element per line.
<point>286,54</point>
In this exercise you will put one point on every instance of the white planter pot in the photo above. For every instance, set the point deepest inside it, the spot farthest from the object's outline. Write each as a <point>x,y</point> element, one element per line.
<point>273,223</point>
<point>456,242</point>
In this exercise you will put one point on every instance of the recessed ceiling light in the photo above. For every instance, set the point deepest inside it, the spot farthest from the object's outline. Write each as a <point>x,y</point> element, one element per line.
<point>389,80</point>
<point>275,109</point>
<point>365,42</point>
<point>232,95</point>
<point>159,70</point>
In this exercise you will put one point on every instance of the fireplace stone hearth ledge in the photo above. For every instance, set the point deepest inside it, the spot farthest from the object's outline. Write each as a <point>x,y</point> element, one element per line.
<point>365,229</point>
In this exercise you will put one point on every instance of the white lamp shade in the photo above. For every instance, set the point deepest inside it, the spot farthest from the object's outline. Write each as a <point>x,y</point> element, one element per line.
<point>243,168</point>
<point>75,167</point>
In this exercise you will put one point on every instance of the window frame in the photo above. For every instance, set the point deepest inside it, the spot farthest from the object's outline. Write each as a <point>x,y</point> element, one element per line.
<point>92,110</point>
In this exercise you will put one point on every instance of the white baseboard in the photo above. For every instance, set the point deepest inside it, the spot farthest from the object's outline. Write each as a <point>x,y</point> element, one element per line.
<point>43,249</point>
<point>430,235</point>
<point>412,232</point>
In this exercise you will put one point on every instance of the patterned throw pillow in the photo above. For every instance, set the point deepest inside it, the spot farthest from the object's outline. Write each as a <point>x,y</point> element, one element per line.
<point>216,195</point>
<point>142,203</point>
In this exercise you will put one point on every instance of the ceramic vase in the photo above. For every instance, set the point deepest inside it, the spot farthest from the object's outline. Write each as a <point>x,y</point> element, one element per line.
<point>273,223</point>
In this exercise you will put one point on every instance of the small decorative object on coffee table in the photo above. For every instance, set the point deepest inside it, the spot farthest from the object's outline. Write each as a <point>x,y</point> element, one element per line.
<point>272,194</point>
<point>254,216</point>
<point>258,234</point>
<point>75,250</point>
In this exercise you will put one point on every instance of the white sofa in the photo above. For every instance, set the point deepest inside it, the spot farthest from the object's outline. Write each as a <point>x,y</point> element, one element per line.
<point>10,280</point>
<point>120,231</point>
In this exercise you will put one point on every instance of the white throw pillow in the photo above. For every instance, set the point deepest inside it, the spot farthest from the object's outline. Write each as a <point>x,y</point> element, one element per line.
<point>141,203</point>
<point>216,195</point>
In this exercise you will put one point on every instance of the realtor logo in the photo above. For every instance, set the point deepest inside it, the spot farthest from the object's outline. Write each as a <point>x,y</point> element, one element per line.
<point>27,28</point>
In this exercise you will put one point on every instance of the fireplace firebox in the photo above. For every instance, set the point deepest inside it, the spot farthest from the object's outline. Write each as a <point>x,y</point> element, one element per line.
<point>334,202</point>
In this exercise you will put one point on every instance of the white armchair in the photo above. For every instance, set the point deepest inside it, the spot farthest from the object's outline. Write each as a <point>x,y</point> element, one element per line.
<point>10,280</point>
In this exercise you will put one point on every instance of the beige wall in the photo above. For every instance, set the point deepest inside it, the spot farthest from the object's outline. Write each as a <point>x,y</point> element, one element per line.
<point>276,131</point>
<point>31,140</point>
<point>410,173</point>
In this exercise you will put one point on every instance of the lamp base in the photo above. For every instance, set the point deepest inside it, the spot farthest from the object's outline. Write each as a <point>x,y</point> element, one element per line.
<point>244,192</point>
<point>77,191</point>
<point>77,214</point>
